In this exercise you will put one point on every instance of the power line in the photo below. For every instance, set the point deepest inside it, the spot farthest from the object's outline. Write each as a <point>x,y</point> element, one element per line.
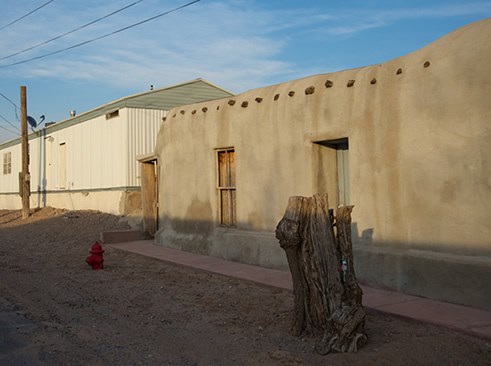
<point>15,105</point>
<point>26,15</point>
<point>6,98</point>
<point>14,126</point>
<point>72,31</point>
<point>101,37</point>
<point>6,129</point>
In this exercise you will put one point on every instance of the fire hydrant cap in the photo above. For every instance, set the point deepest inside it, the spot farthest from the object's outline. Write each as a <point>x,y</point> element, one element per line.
<point>96,248</point>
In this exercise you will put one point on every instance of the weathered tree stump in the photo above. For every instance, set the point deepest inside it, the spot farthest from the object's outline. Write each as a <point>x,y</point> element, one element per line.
<point>327,297</point>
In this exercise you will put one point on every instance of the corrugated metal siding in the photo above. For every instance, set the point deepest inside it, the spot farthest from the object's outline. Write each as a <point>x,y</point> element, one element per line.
<point>94,154</point>
<point>100,152</point>
<point>143,127</point>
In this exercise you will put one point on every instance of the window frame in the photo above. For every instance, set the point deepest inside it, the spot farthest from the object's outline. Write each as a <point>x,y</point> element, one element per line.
<point>230,220</point>
<point>7,163</point>
<point>341,148</point>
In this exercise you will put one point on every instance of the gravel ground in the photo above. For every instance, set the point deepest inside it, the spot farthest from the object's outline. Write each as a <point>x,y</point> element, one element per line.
<point>141,311</point>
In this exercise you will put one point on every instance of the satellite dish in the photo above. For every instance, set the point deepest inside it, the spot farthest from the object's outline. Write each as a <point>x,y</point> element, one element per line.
<point>32,121</point>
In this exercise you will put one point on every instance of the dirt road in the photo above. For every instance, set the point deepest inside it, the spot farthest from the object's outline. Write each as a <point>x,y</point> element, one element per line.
<point>142,311</point>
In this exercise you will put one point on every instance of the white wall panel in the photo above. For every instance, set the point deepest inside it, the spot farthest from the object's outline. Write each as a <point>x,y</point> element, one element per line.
<point>143,127</point>
<point>99,153</point>
<point>95,156</point>
<point>10,182</point>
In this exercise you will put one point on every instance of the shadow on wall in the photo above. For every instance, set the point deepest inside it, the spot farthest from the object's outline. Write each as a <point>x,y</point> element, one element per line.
<point>365,237</point>
<point>200,235</point>
<point>450,277</point>
<point>231,243</point>
<point>444,276</point>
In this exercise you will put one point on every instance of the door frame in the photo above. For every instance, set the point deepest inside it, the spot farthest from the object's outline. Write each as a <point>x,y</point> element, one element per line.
<point>149,172</point>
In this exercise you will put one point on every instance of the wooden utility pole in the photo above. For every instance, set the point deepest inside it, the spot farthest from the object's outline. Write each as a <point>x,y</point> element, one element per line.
<point>25,178</point>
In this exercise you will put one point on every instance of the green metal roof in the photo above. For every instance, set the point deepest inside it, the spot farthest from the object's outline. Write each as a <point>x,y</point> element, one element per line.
<point>190,92</point>
<point>167,98</point>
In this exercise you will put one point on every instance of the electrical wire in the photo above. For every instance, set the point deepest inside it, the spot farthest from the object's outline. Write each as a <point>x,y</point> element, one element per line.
<point>26,15</point>
<point>101,37</point>
<point>6,129</point>
<point>8,99</point>
<point>72,31</point>
<point>15,105</point>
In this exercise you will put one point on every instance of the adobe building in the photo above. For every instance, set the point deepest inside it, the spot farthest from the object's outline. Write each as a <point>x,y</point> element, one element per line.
<point>407,142</point>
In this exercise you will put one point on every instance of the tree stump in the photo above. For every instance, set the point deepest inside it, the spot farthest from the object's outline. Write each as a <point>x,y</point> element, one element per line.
<point>327,297</point>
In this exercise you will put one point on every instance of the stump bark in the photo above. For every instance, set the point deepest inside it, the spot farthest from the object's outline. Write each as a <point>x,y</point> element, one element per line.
<point>327,297</point>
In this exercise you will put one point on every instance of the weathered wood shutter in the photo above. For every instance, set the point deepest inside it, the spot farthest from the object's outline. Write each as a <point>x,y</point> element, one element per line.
<point>226,187</point>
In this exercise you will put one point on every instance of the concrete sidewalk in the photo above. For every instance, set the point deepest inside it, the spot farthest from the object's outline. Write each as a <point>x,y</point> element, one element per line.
<point>458,317</point>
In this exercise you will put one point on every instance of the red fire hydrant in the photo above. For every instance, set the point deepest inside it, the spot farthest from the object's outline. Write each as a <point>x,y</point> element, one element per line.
<point>96,258</point>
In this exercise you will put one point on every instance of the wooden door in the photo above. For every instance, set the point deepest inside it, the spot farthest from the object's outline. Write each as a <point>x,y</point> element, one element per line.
<point>149,193</point>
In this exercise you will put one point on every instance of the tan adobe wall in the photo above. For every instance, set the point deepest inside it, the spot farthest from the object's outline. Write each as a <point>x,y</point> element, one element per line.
<point>419,149</point>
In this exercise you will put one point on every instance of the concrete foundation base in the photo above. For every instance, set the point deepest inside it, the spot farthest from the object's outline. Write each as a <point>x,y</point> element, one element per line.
<point>114,201</point>
<point>446,277</point>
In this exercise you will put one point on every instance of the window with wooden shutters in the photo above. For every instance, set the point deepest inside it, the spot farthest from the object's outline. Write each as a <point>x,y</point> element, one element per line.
<point>7,163</point>
<point>226,186</point>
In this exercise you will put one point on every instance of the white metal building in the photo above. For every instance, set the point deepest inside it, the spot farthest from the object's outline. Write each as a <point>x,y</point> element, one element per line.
<point>89,161</point>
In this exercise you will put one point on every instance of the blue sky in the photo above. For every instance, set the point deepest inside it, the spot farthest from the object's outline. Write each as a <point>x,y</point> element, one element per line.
<point>236,44</point>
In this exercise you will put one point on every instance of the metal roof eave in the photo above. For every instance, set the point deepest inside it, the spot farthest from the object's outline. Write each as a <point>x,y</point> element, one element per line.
<point>141,100</point>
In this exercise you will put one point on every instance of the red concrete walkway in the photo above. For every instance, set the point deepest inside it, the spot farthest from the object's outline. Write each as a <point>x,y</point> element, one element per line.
<point>458,317</point>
